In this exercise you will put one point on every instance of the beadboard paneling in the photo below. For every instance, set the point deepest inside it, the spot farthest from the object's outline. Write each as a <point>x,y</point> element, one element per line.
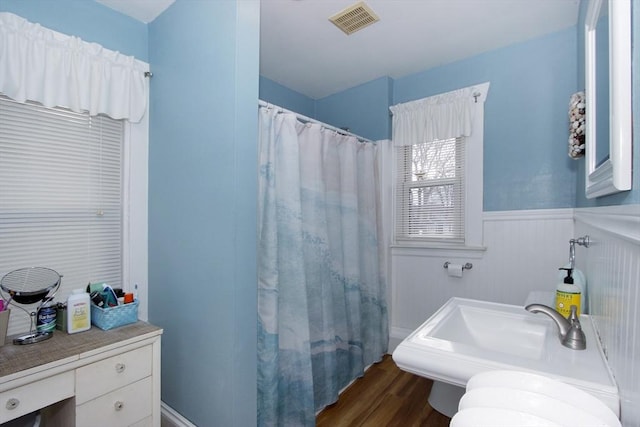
<point>612,267</point>
<point>524,249</point>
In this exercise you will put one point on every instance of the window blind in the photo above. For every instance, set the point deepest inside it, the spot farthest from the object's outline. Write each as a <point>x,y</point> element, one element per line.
<point>60,196</point>
<point>430,191</point>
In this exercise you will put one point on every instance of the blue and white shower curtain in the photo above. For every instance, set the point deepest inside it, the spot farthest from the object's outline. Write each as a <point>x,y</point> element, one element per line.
<point>322,313</point>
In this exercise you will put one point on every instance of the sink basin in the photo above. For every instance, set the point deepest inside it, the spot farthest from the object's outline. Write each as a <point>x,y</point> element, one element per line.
<point>466,337</point>
<point>510,332</point>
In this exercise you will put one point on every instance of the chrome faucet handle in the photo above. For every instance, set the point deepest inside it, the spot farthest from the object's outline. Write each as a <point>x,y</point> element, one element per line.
<point>569,331</point>
<point>573,315</point>
<point>575,337</point>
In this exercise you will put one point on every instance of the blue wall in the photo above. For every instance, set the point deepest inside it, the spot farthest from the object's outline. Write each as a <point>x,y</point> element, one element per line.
<point>526,165</point>
<point>525,162</point>
<point>202,189</point>
<point>364,109</point>
<point>90,21</point>
<point>202,207</point>
<point>284,97</point>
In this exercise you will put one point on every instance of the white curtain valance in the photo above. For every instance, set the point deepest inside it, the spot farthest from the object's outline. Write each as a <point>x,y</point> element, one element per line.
<point>445,116</point>
<point>54,69</point>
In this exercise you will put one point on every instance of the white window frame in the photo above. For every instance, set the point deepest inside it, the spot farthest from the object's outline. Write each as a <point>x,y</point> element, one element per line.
<point>473,188</point>
<point>135,252</point>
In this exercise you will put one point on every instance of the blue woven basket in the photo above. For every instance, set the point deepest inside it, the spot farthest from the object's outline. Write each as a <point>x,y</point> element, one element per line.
<point>112,317</point>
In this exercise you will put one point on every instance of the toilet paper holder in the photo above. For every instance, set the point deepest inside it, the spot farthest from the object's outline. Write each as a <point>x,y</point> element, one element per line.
<point>467,266</point>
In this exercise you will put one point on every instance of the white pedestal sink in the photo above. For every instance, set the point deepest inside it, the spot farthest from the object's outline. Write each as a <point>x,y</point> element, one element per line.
<point>466,337</point>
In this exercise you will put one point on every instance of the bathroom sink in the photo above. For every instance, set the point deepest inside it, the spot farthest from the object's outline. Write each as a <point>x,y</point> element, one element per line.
<point>466,337</point>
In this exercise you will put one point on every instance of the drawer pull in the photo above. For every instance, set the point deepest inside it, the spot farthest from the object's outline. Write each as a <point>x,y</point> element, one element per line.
<point>118,405</point>
<point>120,367</point>
<point>12,403</point>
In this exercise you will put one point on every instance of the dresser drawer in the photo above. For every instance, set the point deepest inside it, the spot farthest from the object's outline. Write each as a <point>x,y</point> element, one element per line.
<point>123,407</point>
<point>22,400</point>
<point>109,374</point>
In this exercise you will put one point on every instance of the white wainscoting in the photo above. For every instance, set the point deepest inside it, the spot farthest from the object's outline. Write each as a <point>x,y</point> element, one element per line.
<point>524,250</point>
<point>612,267</point>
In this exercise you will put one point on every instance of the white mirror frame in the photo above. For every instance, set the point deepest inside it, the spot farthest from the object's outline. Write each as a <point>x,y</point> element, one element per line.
<point>614,175</point>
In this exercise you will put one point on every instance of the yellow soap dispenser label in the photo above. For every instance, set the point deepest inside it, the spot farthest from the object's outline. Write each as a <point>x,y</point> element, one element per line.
<point>564,301</point>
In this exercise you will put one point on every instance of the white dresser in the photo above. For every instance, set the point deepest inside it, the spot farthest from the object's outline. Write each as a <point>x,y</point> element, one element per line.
<point>89,379</point>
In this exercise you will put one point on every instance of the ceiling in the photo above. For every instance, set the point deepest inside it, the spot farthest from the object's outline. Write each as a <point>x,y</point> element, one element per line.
<point>142,10</point>
<point>302,50</point>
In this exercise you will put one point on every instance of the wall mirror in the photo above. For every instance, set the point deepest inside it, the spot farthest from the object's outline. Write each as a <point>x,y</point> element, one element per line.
<point>608,97</point>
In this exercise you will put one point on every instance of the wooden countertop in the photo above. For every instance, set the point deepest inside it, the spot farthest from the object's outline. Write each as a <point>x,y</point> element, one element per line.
<point>64,348</point>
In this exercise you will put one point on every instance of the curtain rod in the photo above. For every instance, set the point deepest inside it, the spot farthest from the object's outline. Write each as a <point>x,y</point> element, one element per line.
<point>306,119</point>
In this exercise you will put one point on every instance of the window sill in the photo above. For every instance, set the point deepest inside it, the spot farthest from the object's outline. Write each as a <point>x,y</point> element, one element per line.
<point>437,249</point>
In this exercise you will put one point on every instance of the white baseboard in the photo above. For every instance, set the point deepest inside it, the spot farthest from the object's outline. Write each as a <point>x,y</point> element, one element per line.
<point>171,418</point>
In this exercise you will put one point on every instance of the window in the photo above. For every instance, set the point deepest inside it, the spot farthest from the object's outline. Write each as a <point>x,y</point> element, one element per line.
<point>438,170</point>
<point>61,195</point>
<point>430,191</point>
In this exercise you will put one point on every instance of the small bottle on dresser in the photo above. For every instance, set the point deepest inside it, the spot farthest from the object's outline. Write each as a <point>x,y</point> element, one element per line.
<point>78,312</point>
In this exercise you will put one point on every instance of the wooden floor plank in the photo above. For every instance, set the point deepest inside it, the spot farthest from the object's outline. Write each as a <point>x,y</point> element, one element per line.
<point>363,393</point>
<point>385,396</point>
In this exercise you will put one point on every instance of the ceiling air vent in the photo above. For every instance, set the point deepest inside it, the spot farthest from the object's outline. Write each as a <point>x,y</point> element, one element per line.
<point>354,18</point>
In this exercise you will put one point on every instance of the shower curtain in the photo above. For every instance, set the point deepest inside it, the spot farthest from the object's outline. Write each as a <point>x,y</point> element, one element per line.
<point>322,313</point>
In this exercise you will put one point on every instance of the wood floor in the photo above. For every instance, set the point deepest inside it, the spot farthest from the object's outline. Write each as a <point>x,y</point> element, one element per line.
<point>385,396</point>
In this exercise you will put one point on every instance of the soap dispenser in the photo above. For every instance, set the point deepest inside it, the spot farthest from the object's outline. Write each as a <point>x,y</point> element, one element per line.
<point>568,294</point>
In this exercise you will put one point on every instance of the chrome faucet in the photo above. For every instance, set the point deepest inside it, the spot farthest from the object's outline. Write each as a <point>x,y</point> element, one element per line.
<point>571,334</point>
